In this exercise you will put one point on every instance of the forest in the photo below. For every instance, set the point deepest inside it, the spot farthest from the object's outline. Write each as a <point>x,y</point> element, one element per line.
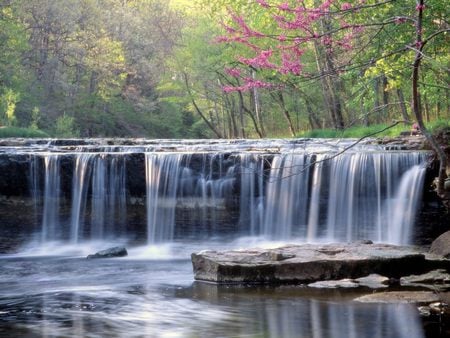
<point>221,69</point>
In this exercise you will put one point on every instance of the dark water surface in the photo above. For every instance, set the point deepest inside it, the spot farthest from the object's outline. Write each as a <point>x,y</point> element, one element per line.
<point>151,293</point>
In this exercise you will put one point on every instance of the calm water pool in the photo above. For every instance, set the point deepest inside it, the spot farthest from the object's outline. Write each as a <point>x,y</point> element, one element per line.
<point>151,293</point>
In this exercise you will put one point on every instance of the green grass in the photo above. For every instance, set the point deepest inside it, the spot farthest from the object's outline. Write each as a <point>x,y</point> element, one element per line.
<point>362,131</point>
<point>6,132</point>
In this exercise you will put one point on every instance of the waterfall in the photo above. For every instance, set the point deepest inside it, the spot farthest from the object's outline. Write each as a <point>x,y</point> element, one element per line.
<point>108,196</point>
<point>104,177</point>
<point>306,194</point>
<point>348,197</point>
<point>404,206</point>
<point>52,192</point>
<point>97,178</point>
<point>162,174</point>
<point>287,196</point>
<point>80,187</point>
<point>252,192</point>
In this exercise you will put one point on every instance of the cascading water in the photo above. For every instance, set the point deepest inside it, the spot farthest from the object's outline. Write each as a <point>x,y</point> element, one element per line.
<point>308,194</point>
<point>287,190</point>
<point>163,174</point>
<point>401,215</point>
<point>95,177</point>
<point>80,183</point>
<point>52,193</point>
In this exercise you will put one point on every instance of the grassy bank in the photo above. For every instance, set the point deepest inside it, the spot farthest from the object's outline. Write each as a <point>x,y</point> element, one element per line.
<point>6,132</point>
<point>362,131</point>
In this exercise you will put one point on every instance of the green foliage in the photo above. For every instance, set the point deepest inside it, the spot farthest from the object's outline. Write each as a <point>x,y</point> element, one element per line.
<point>65,127</point>
<point>35,118</point>
<point>439,126</point>
<point>22,132</point>
<point>363,131</point>
<point>118,68</point>
<point>8,102</point>
<point>355,132</point>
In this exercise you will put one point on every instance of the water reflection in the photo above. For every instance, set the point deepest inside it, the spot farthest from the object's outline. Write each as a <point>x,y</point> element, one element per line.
<point>75,297</point>
<point>302,312</point>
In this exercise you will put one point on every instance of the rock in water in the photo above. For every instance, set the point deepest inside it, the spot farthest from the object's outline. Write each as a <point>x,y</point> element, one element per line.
<point>308,263</point>
<point>437,280</point>
<point>118,251</point>
<point>399,297</point>
<point>441,245</point>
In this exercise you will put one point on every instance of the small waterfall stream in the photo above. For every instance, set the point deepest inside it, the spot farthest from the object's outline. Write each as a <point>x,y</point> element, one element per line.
<point>307,194</point>
<point>51,198</point>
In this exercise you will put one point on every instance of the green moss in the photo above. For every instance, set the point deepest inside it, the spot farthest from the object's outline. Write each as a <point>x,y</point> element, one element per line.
<point>6,132</point>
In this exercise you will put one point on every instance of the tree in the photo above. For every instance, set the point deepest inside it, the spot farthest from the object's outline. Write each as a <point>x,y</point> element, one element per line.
<point>346,38</point>
<point>327,29</point>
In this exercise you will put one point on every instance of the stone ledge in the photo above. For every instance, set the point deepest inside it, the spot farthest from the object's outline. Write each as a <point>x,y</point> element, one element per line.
<point>308,263</point>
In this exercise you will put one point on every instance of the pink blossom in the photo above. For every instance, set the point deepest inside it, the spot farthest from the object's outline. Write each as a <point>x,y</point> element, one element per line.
<point>399,20</point>
<point>246,30</point>
<point>420,7</point>
<point>290,64</point>
<point>234,72</point>
<point>346,6</point>
<point>230,29</point>
<point>314,15</point>
<point>284,6</point>
<point>221,39</point>
<point>228,89</point>
<point>326,40</point>
<point>325,5</point>
<point>282,38</point>
<point>253,83</point>
<point>357,29</point>
<point>344,24</point>
<point>260,61</point>
<point>263,3</point>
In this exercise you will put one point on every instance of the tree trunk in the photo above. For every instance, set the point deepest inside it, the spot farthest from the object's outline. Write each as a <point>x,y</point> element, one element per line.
<point>312,118</point>
<point>257,107</point>
<point>323,83</point>
<point>280,99</point>
<point>377,100</point>
<point>416,103</point>
<point>385,99</point>
<point>402,103</point>
<point>197,108</point>
<point>243,108</point>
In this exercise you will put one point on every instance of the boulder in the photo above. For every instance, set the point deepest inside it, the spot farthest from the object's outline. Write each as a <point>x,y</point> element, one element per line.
<point>441,245</point>
<point>308,263</point>
<point>118,251</point>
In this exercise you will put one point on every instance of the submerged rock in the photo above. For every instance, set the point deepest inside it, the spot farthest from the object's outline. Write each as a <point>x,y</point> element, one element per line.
<point>308,263</point>
<point>118,251</point>
<point>374,281</point>
<point>441,245</point>
<point>334,284</point>
<point>399,297</point>
<point>436,280</point>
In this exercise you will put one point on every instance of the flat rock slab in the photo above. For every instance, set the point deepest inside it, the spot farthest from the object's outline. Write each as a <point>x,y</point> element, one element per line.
<point>399,297</point>
<point>308,263</point>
